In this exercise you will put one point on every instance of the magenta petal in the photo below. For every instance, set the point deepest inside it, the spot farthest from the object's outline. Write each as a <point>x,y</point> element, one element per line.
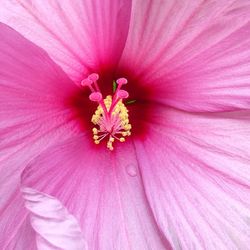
<point>33,116</point>
<point>33,93</point>
<point>195,55</point>
<point>103,191</point>
<point>78,35</point>
<point>195,170</point>
<point>56,228</point>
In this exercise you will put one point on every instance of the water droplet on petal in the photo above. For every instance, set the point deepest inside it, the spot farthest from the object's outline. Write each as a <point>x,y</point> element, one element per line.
<point>131,170</point>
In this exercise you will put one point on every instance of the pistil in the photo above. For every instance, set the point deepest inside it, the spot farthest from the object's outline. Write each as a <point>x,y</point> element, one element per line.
<point>111,117</point>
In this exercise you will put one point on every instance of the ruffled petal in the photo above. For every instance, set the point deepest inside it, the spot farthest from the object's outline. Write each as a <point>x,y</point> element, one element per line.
<point>55,227</point>
<point>33,116</point>
<point>194,56</point>
<point>102,190</point>
<point>79,35</point>
<point>195,170</point>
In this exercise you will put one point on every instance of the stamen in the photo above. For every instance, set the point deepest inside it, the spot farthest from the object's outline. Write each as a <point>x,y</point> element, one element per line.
<point>88,83</point>
<point>94,77</point>
<point>122,94</point>
<point>95,96</point>
<point>111,116</point>
<point>122,81</point>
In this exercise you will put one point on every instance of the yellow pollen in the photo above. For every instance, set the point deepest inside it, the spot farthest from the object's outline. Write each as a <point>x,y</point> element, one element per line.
<point>114,125</point>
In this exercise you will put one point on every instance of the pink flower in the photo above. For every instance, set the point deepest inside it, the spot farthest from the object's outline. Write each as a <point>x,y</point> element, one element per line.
<point>181,180</point>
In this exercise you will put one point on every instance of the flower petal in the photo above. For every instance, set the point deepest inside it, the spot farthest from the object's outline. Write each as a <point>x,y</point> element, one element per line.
<point>33,116</point>
<point>15,229</point>
<point>78,35</point>
<point>54,225</point>
<point>195,170</point>
<point>32,107</point>
<point>102,190</point>
<point>195,56</point>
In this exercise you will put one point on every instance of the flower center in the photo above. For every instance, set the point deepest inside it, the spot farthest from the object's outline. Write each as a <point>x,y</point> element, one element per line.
<point>111,116</point>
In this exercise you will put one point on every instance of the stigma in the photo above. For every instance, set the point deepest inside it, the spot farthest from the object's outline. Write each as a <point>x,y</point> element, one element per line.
<point>111,118</point>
